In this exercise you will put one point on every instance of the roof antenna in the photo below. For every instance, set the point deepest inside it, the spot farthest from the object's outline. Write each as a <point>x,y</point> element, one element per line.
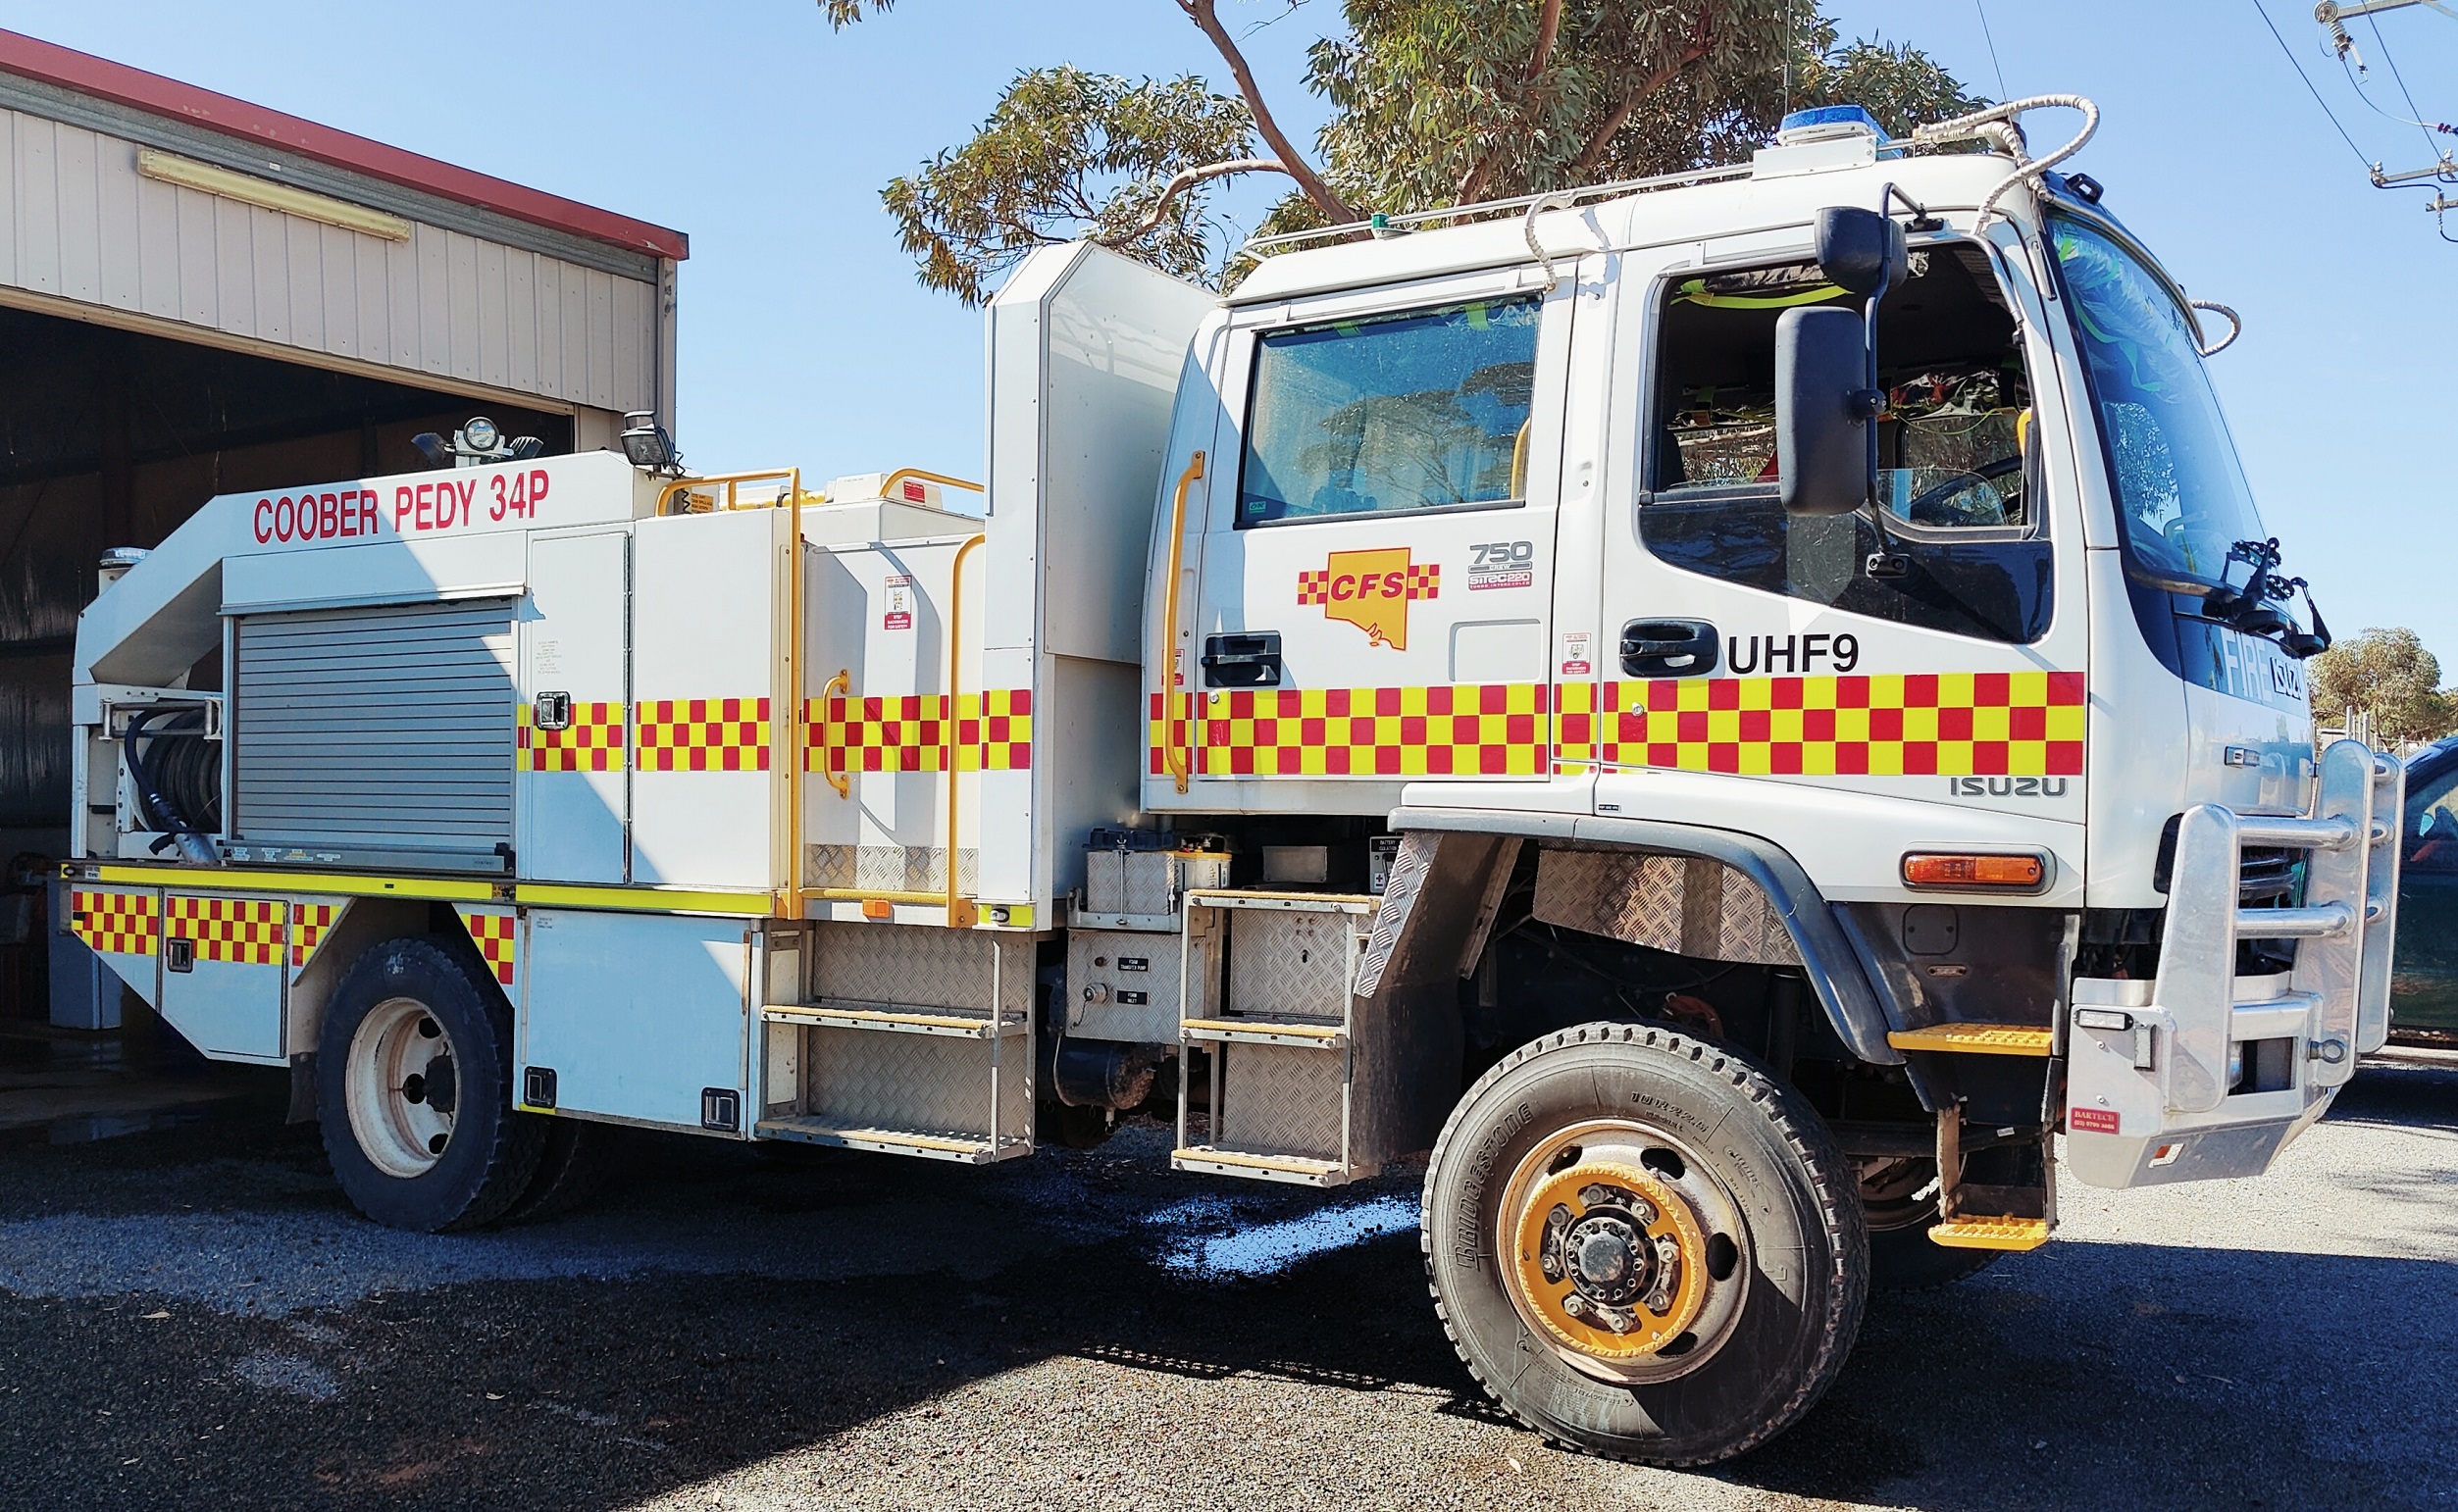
<point>1788,45</point>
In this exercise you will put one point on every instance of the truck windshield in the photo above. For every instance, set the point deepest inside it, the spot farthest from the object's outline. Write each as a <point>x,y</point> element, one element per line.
<point>2179,489</point>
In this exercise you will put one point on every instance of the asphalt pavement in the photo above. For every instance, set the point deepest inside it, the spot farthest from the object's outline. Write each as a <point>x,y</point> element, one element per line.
<point>190,1316</point>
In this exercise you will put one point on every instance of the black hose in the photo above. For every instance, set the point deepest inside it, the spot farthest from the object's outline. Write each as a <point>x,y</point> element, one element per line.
<point>176,770</point>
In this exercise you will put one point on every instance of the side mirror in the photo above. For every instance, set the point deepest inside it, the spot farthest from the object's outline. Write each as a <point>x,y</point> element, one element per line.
<point>1824,438</point>
<point>1861,250</point>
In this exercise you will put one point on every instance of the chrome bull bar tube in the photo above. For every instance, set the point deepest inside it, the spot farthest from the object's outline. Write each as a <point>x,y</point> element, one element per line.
<point>2202,1072</point>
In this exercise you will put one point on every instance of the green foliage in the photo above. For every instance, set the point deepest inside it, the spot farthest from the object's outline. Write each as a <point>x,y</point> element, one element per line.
<point>841,14</point>
<point>1435,103</point>
<point>2387,675</point>
<point>1447,101</point>
<point>1068,154</point>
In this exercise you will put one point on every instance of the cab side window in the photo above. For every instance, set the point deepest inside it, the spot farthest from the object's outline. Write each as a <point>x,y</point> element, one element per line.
<point>1957,470</point>
<point>2430,843</point>
<point>1423,410</point>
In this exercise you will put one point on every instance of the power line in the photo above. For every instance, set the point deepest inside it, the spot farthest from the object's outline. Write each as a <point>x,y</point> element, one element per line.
<point>2414,113</point>
<point>2290,56</point>
<point>2355,82</point>
<point>2002,91</point>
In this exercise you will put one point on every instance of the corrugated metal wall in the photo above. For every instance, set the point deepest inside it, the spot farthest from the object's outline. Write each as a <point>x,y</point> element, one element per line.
<point>78,222</point>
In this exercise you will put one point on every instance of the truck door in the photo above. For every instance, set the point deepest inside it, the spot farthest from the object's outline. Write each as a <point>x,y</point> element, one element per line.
<point>1377,561</point>
<point>1847,686</point>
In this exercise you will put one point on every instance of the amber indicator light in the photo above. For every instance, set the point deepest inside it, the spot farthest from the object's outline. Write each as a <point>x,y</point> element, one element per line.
<point>1922,869</point>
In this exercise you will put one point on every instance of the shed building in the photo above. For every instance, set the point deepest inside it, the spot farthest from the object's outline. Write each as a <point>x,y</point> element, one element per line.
<point>199,295</point>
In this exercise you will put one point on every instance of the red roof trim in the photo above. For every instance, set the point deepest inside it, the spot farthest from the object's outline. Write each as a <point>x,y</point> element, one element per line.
<point>121,85</point>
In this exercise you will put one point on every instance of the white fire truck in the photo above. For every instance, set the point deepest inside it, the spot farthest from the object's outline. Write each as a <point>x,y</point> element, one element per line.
<point>1736,711</point>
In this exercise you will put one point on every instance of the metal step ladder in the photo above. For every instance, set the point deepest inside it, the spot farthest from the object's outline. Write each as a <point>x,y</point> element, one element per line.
<point>1959,1227</point>
<point>1273,1017</point>
<point>907,1039</point>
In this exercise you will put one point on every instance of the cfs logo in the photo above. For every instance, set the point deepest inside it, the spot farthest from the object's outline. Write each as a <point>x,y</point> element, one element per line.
<point>1371,590</point>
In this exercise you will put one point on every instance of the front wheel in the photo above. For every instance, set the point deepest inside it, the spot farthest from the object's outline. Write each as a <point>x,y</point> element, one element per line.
<point>414,1089</point>
<point>1642,1245</point>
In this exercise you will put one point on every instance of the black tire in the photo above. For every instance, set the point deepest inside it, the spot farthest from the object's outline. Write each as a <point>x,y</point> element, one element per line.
<point>1071,1128</point>
<point>575,1160</point>
<point>1795,1276</point>
<point>1900,1209</point>
<point>486,1154</point>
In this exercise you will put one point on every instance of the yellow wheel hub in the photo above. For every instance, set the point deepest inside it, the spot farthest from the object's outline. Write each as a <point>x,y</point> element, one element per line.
<point>1607,1259</point>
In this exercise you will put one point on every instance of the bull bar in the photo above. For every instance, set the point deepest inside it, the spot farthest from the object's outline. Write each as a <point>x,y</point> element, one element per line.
<point>2202,1072</point>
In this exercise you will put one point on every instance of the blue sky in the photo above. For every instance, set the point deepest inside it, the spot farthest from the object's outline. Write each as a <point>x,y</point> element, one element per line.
<point>805,340</point>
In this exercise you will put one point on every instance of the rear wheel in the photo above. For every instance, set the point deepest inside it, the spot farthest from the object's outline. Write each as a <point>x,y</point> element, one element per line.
<point>575,1160</point>
<point>414,1089</point>
<point>1642,1245</point>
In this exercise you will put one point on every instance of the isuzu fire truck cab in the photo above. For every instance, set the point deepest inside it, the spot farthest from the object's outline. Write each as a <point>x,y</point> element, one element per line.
<point>1725,708</point>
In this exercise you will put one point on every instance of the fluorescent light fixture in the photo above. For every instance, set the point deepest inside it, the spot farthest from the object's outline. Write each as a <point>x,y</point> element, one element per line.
<point>247,189</point>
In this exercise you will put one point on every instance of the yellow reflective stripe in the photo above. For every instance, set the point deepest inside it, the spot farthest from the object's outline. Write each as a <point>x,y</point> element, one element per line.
<point>300,882</point>
<point>660,899</point>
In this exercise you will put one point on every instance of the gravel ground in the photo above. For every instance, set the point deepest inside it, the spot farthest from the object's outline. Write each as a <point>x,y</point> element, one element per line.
<point>192,1314</point>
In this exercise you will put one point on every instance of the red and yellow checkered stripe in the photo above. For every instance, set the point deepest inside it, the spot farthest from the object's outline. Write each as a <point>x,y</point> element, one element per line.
<point>1423,580</point>
<point>592,742</point>
<point>497,933</point>
<point>244,932</point>
<point>1949,724</point>
<point>309,924</point>
<point>704,734</point>
<point>993,733</point>
<point>115,923</point>
<point>1475,730</point>
<point>1955,724</point>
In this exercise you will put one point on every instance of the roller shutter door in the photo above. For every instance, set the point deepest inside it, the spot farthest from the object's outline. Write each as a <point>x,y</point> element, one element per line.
<point>375,730</point>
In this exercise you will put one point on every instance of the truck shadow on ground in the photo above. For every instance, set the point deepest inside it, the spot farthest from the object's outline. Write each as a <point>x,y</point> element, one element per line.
<point>723,1309</point>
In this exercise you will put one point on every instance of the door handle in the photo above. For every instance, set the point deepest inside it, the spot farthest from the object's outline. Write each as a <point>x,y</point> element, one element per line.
<point>1670,648</point>
<point>1250,659</point>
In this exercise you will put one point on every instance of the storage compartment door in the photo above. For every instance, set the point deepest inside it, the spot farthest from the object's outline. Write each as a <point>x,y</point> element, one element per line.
<point>375,736</point>
<point>706,664</point>
<point>222,971</point>
<point>573,711</point>
<point>640,1018</point>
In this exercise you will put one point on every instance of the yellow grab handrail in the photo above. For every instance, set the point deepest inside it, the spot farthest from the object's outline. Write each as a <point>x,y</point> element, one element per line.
<point>791,476</point>
<point>1177,762</point>
<point>843,784</point>
<point>794,493</point>
<point>798,721</point>
<point>887,484</point>
<point>955,650</point>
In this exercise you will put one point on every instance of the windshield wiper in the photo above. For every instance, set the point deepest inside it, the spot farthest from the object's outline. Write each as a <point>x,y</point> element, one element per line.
<point>2248,608</point>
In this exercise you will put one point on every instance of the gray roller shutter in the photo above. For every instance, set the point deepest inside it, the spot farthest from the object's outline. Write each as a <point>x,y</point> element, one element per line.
<point>375,730</point>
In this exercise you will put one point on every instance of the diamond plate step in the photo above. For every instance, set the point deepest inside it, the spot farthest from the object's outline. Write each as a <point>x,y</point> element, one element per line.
<point>1978,1232</point>
<point>1975,1038</point>
<point>962,1148</point>
<point>894,1018</point>
<point>1313,1036</point>
<point>1295,1169</point>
